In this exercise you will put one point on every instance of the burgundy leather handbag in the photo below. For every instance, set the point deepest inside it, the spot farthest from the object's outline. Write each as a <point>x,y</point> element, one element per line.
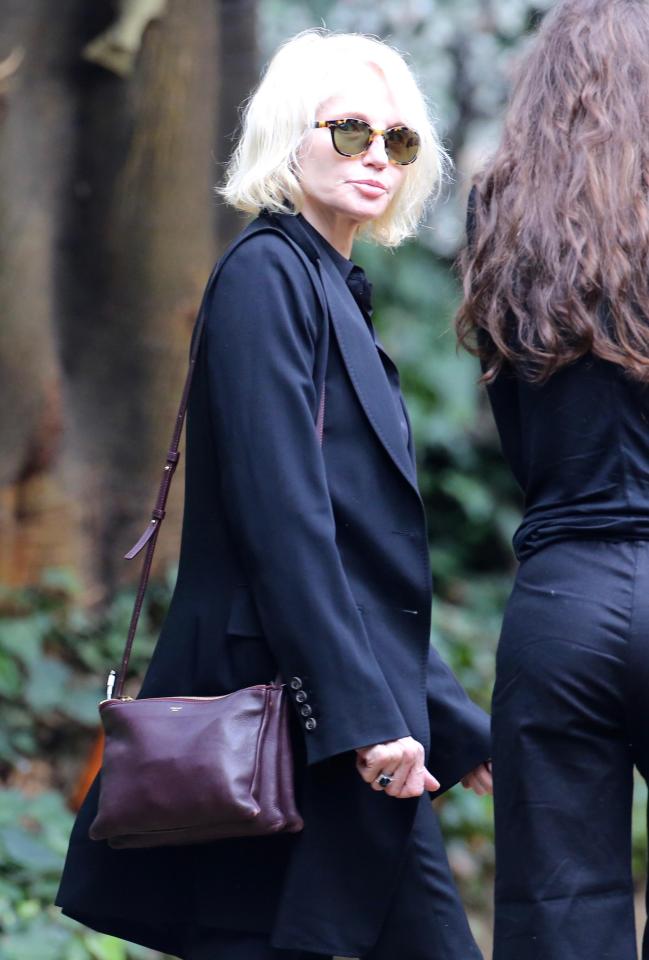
<point>183,770</point>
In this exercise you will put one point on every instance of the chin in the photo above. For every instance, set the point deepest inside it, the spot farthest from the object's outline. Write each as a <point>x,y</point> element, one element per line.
<point>364,212</point>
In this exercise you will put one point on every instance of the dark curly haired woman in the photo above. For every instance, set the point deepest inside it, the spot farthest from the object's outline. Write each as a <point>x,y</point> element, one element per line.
<point>556,281</point>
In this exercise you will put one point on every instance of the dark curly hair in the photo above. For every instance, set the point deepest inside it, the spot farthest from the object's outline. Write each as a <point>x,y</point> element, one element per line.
<point>557,263</point>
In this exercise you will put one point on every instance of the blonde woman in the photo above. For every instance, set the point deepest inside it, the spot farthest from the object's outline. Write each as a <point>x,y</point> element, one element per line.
<point>304,550</point>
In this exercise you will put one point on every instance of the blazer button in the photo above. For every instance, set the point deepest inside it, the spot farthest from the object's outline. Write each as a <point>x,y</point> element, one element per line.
<point>306,710</point>
<point>296,683</point>
<point>301,696</point>
<point>310,724</point>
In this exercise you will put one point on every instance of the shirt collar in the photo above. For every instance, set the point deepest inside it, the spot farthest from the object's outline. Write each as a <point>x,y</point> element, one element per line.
<point>353,275</point>
<point>344,265</point>
<point>314,245</point>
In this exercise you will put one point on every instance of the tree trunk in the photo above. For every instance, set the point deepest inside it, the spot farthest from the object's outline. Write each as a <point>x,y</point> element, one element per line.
<point>239,72</point>
<point>135,246</point>
<point>34,139</point>
<point>97,310</point>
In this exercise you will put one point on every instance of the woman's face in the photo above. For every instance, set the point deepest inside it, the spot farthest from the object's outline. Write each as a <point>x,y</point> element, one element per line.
<point>361,188</point>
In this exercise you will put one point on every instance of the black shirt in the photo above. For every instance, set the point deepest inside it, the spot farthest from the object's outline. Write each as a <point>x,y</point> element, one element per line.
<point>578,446</point>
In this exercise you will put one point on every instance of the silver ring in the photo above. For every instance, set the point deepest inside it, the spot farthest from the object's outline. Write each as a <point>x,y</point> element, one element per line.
<point>384,780</point>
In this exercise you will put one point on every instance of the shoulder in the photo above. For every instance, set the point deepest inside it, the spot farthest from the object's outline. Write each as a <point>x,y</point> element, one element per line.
<point>266,253</point>
<point>262,275</point>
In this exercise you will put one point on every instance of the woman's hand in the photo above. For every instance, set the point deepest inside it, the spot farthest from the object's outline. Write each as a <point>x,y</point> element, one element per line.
<point>403,761</point>
<point>479,780</point>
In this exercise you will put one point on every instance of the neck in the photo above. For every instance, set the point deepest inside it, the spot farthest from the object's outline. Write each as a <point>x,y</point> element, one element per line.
<point>334,227</point>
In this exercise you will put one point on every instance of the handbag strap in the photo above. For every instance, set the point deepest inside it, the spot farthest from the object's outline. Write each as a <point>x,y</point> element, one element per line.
<point>150,535</point>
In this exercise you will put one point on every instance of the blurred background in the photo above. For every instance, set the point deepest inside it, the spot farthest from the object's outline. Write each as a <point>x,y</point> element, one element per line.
<point>115,121</point>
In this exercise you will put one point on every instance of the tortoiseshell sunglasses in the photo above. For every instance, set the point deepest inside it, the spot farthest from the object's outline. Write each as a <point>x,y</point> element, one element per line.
<point>351,138</point>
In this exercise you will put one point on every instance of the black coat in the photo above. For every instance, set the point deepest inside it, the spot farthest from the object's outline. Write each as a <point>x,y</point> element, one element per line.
<point>313,559</point>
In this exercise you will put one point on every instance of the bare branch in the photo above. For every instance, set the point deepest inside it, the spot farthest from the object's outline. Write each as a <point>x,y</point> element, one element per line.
<point>116,49</point>
<point>9,66</point>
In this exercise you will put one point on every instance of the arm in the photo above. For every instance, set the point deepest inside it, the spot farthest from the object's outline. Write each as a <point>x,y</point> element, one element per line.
<point>459,729</point>
<point>261,335</point>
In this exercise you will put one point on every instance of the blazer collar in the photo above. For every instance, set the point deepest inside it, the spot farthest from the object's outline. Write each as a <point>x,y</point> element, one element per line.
<point>359,353</point>
<point>292,225</point>
<point>365,368</point>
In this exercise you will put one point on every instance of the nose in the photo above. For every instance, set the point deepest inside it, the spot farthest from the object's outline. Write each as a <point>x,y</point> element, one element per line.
<point>375,155</point>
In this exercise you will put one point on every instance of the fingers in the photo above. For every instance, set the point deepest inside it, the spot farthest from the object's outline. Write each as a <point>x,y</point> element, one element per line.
<point>476,786</point>
<point>479,780</point>
<point>418,780</point>
<point>470,782</point>
<point>431,783</point>
<point>409,786</point>
<point>380,758</point>
<point>407,773</point>
<point>484,777</point>
<point>403,760</point>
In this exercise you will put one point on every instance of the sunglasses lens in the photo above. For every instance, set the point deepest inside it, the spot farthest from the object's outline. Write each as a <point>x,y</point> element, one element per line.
<point>402,144</point>
<point>351,137</point>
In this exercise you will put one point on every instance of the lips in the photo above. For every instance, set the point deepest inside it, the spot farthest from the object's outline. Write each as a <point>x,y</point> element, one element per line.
<point>370,183</point>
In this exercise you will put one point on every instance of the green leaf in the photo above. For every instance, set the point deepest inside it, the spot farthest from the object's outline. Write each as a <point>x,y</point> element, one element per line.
<point>41,940</point>
<point>12,806</point>
<point>11,679</point>
<point>46,684</point>
<point>28,909</point>
<point>23,637</point>
<point>10,893</point>
<point>103,947</point>
<point>76,950</point>
<point>27,850</point>
<point>81,703</point>
<point>54,819</point>
<point>24,742</point>
<point>63,579</point>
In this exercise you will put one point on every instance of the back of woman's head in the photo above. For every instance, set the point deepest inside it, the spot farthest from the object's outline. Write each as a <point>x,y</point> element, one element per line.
<point>557,263</point>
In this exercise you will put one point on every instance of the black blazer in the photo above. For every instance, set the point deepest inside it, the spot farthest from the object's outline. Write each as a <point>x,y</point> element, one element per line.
<point>310,559</point>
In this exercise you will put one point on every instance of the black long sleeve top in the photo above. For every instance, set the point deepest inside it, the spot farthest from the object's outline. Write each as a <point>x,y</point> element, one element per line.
<point>578,445</point>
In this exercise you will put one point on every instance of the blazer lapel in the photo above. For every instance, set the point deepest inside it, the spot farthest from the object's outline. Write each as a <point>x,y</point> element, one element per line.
<point>365,369</point>
<point>411,444</point>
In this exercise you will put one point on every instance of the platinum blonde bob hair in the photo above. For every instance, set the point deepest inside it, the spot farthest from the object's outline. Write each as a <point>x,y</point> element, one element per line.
<point>312,67</point>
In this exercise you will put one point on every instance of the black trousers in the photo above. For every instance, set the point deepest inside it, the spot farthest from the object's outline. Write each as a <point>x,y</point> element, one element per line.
<point>426,920</point>
<point>570,720</point>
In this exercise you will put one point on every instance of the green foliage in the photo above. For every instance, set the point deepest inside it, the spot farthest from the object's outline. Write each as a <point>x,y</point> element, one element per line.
<point>34,833</point>
<point>54,658</point>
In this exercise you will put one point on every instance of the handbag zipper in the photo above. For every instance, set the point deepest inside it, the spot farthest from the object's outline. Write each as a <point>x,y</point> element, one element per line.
<point>124,699</point>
